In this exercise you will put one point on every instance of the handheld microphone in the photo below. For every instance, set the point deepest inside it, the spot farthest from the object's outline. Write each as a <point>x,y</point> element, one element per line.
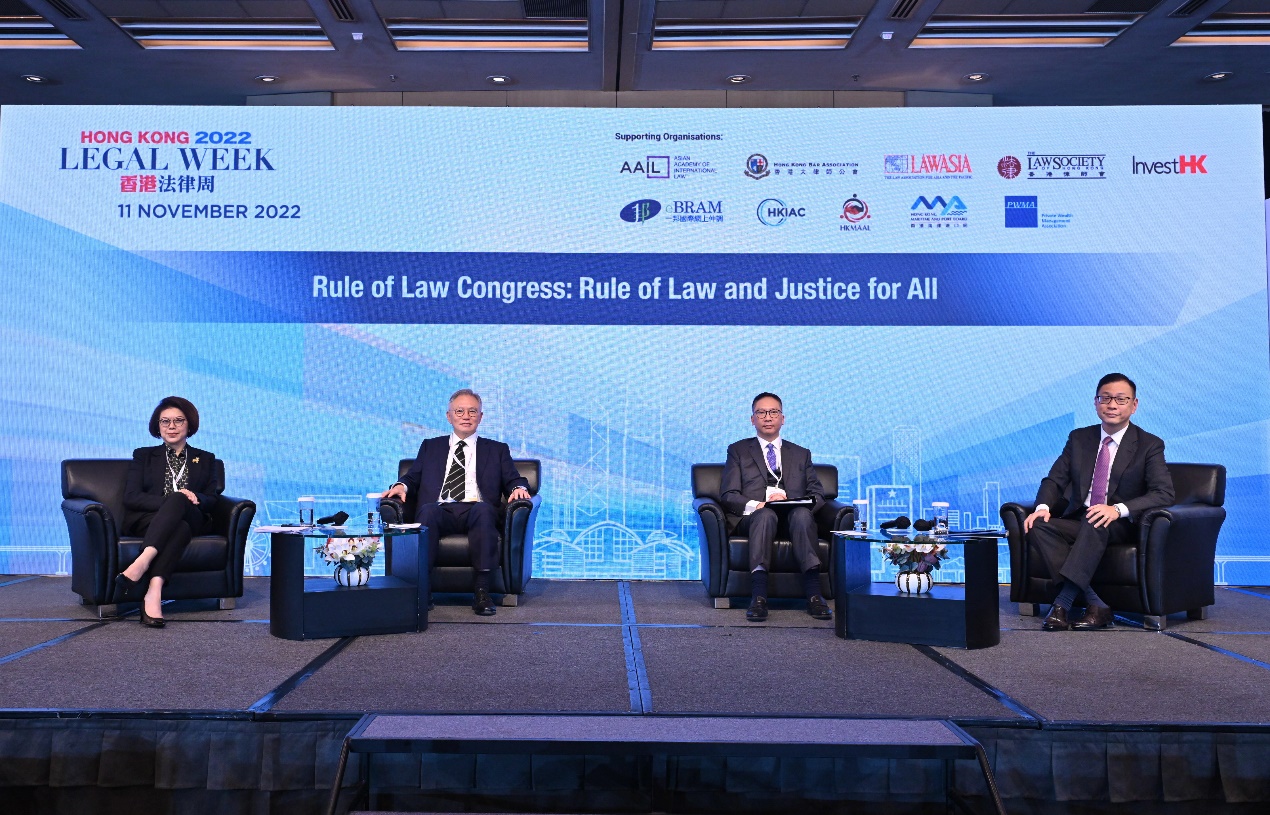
<point>923,525</point>
<point>901,522</point>
<point>333,520</point>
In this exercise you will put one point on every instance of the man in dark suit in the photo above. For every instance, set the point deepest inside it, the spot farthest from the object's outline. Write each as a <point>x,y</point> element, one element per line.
<point>1107,476</point>
<point>768,468</point>
<point>460,481</point>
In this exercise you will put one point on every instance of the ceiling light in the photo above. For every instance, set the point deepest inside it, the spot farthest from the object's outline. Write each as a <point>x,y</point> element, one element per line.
<point>737,79</point>
<point>976,77</point>
<point>886,35</point>
<point>35,78</point>
<point>499,79</point>
<point>1218,76</point>
<point>357,36</point>
<point>266,78</point>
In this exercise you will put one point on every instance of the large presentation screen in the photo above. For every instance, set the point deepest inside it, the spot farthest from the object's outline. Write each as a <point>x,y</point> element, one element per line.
<point>933,293</point>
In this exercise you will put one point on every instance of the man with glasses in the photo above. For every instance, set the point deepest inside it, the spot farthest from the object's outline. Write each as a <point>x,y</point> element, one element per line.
<point>766,468</point>
<point>1107,476</point>
<point>460,480</point>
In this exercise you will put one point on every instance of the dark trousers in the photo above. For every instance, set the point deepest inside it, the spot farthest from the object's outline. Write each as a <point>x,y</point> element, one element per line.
<point>1073,548</point>
<point>169,531</point>
<point>798,527</point>
<point>479,519</point>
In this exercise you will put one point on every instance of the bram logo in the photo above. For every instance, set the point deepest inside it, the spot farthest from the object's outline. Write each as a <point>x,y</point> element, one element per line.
<point>1020,212</point>
<point>1010,167</point>
<point>775,212</point>
<point>1182,165</point>
<point>756,166</point>
<point>855,210</point>
<point>953,206</point>
<point>650,167</point>
<point>637,212</point>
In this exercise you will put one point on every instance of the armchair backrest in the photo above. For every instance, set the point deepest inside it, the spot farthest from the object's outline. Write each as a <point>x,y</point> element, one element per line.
<point>530,470</point>
<point>707,480</point>
<point>1198,483</point>
<point>97,479</point>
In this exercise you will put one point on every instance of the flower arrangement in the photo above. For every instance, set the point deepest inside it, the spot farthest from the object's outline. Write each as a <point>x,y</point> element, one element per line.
<point>921,555</point>
<point>351,553</point>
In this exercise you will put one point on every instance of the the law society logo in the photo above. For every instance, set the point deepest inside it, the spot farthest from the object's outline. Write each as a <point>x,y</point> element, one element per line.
<point>650,167</point>
<point>939,213</point>
<point>1025,212</point>
<point>855,211</point>
<point>696,212</point>
<point>637,212</point>
<point>775,212</point>
<point>927,166</point>
<point>1009,167</point>
<point>756,166</point>
<point>1066,166</point>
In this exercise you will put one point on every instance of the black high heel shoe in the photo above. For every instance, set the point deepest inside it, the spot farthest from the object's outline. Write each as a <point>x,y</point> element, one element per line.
<point>125,584</point>
<point>151,622</point>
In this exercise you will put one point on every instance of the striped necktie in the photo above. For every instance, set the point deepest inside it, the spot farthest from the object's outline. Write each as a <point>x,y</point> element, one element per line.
<point>455,487</point>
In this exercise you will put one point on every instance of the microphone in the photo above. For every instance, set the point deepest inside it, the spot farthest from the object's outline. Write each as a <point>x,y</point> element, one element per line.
<point>923,525</point>
<point>901,522</point>
<point>333,520</point>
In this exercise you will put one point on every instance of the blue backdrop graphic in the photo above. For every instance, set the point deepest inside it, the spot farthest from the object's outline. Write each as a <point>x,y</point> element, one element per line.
<point>964,396</point>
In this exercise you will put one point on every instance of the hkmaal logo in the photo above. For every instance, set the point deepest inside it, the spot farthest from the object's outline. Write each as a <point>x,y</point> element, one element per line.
<point>854,211</point>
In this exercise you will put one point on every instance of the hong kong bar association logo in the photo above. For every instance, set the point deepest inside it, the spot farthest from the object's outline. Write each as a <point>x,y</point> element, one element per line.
<point>756,166</point>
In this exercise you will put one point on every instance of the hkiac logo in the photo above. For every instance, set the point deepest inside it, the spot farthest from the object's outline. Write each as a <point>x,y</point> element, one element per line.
<point>650,167</point>
<point>1182,165</point>
<point>637,212</point>
<point>775,212</point>
<point>1020,212</point>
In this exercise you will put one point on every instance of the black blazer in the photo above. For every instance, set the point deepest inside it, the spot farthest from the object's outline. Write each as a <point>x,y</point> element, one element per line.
<point>1139,476</point>
<point>745,476</point>
<point>496,473</point>
<point>144,491</point>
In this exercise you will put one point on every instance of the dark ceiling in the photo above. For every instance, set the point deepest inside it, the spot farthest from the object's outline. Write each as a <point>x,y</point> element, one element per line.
<point>1035,52</point>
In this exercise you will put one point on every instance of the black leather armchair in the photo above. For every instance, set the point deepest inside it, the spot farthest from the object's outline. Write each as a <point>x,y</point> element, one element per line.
<point>725,559</point>
<point>1168,568</point>
<point>452,571</point>
<point>92,502</point>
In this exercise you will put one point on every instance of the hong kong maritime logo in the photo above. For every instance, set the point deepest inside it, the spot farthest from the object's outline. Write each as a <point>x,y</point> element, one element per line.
<point>854,211</point>
<point>1009,167</point>
<point>637,212</point>
<point>775,212</point>
<point>756,166</point>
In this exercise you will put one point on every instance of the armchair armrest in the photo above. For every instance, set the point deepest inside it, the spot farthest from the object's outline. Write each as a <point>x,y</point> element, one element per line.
<point>712,535</point>
<point>518,542</point>
<point>232,517</point>
<point>94,549</point>
<point>1012,516</point>
<point>1177,547</point>
<point>834,516</point>
<point>392,511</point>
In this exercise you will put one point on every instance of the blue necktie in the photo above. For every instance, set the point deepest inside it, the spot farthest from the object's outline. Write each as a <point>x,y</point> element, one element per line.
<point>771,458</point>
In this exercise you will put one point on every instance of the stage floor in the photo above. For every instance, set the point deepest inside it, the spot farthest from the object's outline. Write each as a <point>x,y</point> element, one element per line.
<point>627,647</point>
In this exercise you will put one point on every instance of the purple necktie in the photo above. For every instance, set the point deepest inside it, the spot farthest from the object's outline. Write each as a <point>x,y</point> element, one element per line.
<point>1102,469</point>
<point>771,457</point>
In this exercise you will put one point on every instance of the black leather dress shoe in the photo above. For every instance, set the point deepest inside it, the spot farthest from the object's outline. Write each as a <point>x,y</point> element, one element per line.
<point>757,612</point>
<point>483,604</point>
<point>151,622</point>
<point>1056,620</point>
<point>818,608</point>
<point>1094,618</point>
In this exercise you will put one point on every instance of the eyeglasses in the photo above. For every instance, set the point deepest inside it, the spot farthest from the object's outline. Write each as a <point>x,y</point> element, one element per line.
<point>773,413</point>
<point>460,412</point>
<point>179,421</point>
<point>1104,399</point>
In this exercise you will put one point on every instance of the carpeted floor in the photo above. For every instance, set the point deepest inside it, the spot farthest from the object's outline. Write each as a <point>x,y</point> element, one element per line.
<point>635,647</point>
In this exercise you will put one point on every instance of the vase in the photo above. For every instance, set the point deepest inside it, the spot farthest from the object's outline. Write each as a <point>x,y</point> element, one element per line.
<point>352,575</point>
<point>913,582</point>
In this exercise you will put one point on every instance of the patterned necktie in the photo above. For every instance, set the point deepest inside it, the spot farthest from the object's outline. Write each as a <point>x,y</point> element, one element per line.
<point>1102,469</point>
<point>771,458</point>
<point>455,487</point>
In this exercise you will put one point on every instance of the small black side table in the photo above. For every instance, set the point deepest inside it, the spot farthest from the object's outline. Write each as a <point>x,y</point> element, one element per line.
<point>959,616</point>
<point>308,608</point>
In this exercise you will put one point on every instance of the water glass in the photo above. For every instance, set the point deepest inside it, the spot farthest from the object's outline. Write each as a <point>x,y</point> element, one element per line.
<point>861,514</point>
<point>939,514</point>
<point>372,510</point>
<point>307,504</point>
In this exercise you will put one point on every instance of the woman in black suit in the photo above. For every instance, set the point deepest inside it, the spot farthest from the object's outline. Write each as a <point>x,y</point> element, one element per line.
<point>170,494</point>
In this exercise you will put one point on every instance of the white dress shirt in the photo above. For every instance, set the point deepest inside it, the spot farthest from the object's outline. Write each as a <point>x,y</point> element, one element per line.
<point>469,458</point>
<point>1111,452</point>
<point>750,506</point>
